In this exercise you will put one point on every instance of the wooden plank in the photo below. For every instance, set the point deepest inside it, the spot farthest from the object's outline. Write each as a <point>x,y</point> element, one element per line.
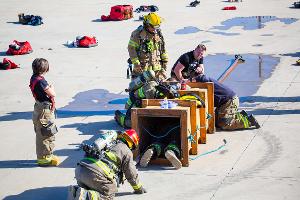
<point>210,93</point>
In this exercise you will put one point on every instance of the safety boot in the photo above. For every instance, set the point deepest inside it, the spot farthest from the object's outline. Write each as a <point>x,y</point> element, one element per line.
<point>253,121</point>
<point>146,157</point>
<point>170,155</point>
<point>81,194</point>
<point>50,160</point>
<point>120,118</point>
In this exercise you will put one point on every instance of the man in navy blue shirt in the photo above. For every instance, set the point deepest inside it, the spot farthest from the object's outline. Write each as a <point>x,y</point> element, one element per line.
<point>227,102</point>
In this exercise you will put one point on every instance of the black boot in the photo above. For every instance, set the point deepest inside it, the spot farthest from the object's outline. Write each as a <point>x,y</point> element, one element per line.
<point>253,121</point>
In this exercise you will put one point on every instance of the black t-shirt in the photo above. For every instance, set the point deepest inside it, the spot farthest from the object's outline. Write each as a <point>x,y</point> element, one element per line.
<point>39,89</point>
<point>222,93</point>
<point>187,60</point>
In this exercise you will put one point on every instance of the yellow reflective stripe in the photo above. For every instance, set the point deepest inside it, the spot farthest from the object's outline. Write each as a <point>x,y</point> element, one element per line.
<point>243,119</point>
<point>135,61</point>
<point>141,93</point>
<point>45,160</point>
<point>129,102</point>
<point>94,195</point>
<point>156,68</point>
<point>112,156</point>
<point>136,187</point>
<point>103,166</point>
<point>133,44</point>
<point>164,56</point>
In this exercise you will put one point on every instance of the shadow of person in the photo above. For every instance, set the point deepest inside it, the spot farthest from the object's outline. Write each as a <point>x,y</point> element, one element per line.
<point>46,193</point>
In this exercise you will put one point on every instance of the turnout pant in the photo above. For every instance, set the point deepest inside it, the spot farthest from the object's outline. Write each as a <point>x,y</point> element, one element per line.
<point>42,114</point>
<point>228,117</point>
<point>98,182</point>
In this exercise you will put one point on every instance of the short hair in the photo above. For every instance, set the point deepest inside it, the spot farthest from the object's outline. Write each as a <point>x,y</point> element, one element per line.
<point>201,46</point>
<point>40,66</point>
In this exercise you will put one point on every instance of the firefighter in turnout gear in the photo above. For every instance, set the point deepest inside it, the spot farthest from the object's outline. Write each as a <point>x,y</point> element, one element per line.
<point>148,90</point>
<point>147,48</point>
<point>99,174</point>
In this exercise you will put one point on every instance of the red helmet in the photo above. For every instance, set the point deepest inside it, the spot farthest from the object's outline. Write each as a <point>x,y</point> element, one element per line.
<point>131,138</point>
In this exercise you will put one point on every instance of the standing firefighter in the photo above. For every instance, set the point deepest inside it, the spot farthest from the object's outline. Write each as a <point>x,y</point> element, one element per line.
<point>101,170</point>
<point>43,114</point>
<point>147,48</point>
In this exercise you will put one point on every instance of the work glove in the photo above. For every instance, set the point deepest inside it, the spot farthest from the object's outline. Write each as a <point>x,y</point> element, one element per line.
<point>141,190</point>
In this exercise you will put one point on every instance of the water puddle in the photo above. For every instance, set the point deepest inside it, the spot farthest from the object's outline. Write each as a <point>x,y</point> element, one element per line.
<point>252,23</point>
<point>187,30</point>
<point>94,102</point>
<point>247,77</point>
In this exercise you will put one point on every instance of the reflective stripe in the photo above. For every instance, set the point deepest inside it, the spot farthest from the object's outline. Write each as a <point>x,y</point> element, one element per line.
<point>136,187</point>
<point>129,102</point>
<point>135,61</point>
<point>164,56</point>
<point>133,44</point>
<point>94,195</point>
<point>141,93</point>
<point>112,157</point>
<point>45,160</point>
<point>243,119</point>
<point>122,120</point>
<point>156,68</point>
<point>103,166</point>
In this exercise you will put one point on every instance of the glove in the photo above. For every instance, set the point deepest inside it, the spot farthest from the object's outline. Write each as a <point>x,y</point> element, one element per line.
<point>141,190</point>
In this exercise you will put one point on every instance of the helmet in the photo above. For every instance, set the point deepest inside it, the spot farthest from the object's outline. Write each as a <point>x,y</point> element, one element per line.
<point>131,137</point>
<point>153,19</point>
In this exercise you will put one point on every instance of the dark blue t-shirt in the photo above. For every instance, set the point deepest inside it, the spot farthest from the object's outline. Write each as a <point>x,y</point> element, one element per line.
<point>187,60</point>
<point>39,88</point>
<point>222,93</point>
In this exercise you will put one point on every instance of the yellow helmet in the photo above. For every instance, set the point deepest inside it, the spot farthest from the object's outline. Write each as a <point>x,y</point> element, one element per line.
<point>153,19</point>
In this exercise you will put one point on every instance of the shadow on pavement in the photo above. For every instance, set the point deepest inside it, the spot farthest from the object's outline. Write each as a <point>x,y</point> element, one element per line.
<point>46,193</point>
<point>18,164</point>
<point>253,99</point>
<point>270,111</point>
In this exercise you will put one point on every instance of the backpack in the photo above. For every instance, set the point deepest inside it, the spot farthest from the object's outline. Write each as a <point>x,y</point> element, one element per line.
<point>86,42</point>
<point>118,13</point>
<point>7,64</point>
<point>19,48</point>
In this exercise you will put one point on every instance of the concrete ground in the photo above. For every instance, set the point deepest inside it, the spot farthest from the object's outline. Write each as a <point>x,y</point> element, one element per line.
<point>255,164</point>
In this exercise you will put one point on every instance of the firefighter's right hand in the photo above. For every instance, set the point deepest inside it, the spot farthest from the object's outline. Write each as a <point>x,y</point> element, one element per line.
<point>137,69</point>
<point>141,190</point>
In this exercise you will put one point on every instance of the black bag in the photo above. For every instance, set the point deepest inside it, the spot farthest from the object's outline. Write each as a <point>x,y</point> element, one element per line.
<point>49,129</point>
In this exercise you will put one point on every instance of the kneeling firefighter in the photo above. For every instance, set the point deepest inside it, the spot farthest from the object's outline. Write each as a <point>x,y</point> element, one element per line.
<point>105,163</point>
<point>144,86</point>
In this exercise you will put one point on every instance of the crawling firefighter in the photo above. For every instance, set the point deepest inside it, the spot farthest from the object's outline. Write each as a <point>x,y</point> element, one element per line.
<point>145,86</point>
<point>105,163</point>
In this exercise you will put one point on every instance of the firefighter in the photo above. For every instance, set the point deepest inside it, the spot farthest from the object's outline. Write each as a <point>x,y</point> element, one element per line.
<point>147,49</point>
<point>150,90</point>
<point>227,102</point>
<point>98,177</point>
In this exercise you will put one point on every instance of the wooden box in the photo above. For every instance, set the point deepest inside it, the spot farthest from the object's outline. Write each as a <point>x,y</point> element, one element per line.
<point>202,93</point>
<point>153,119</point>
<point>210,94</point>
<point>194,119</point>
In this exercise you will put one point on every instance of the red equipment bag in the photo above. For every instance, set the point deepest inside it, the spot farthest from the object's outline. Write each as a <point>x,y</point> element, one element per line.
<point>19,48</point>
<point>119,12</point>
<point>8,64</point>
<point>229,8</point>
<point>87,42</point>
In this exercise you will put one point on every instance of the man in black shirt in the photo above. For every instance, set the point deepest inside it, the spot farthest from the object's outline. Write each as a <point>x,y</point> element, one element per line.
<point>227,102</point>
<point>189,64</point>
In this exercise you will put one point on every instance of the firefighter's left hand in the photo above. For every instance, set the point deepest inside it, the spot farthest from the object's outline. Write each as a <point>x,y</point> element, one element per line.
<point>141,190</point>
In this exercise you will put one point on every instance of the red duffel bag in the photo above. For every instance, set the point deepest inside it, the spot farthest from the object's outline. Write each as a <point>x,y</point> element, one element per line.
<point>19,48</point>
<point>87,42</point>
<point>119,12</point>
